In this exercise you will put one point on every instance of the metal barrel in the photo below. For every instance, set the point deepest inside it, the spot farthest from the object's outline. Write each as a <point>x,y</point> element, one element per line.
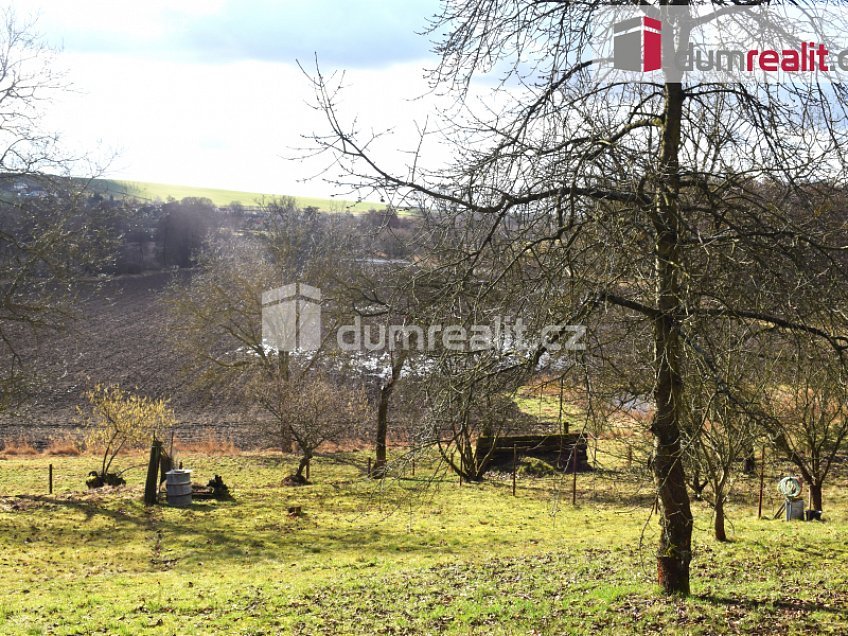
<point>178,486</point>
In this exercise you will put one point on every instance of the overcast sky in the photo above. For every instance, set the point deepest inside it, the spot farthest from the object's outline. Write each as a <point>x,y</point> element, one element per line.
<point>207,92</point>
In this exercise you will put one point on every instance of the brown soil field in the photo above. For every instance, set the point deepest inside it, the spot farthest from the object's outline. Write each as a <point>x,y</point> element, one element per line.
<point>120,336</point>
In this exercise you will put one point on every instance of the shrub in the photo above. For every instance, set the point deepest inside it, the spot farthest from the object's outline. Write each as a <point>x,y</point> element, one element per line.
<point>116,420</point>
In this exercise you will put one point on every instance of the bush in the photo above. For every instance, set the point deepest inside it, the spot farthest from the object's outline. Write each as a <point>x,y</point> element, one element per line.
<point>96,480</point>
<point>116,420</point>
<point>532,467</point>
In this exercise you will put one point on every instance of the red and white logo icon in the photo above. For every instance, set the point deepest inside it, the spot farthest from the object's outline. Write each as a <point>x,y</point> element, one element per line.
<point>638,44</point>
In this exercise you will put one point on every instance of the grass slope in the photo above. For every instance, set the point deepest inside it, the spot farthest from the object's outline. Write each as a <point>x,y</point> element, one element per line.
<point>417,555</point>
<point>152,191</point>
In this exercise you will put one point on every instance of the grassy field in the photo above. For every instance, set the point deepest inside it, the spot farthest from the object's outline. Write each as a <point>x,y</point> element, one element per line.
<point>417,555</point>
<point>153,191</point>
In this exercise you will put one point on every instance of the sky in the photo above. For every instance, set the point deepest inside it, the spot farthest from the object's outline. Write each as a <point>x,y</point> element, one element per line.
<point>209,93</point>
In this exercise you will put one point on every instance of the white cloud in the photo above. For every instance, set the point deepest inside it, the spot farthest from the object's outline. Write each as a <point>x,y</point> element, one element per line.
<point>362,33</point>
<point>224,125</point>
<point>207,92</point>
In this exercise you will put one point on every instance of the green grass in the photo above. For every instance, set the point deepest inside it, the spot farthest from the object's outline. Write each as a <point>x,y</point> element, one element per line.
<point>152,191</point>
<point>417,555</point>
<point>544,404</point>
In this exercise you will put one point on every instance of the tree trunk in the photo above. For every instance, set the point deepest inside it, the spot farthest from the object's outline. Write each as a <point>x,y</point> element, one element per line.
<point>301,467</point>
<point>675,549</point>
<point>380,445</point>
<point>749,465</point>
<point>382,432</point>
<point>816,496</point>
<point>718,521</point>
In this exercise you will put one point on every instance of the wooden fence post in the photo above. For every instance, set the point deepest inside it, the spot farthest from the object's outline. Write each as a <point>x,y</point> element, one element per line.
<point>514,466</point>
<point>50,479</point>
<point>574,474</point>
<point>151,484</point>
<point>762,482</point>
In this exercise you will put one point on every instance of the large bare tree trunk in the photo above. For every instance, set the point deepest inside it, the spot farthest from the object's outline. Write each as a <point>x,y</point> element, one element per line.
<point>675,549</point>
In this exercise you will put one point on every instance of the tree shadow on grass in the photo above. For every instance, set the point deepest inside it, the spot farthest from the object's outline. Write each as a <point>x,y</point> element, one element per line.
<point>92,508</point>
<point>216,542</point>
<point>790,605</point>
<point>225,543</point>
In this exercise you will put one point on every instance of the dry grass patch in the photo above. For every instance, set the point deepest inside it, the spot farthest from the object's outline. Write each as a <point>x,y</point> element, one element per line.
<point>63,447</point>
<point>212,444</point>
<point>19,448</point>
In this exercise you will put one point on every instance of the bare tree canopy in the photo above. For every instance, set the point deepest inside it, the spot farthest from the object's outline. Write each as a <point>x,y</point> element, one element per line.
<point>53,236</point>
<point>662,215</point>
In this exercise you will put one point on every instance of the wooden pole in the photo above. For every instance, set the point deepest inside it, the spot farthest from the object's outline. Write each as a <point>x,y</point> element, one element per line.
<point>413,467</point>
<point>574,474</point>
<point>562,429</point>
<point>762,482</point>
<point>369,466</point>
<point>151,484</point>
<point>514,466</point>
<point>50,479</point>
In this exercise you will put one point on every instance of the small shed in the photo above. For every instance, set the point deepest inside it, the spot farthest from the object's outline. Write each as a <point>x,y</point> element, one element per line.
<point>566,452</point>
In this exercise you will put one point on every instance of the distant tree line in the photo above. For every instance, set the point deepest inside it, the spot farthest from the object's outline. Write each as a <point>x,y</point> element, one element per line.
<point>157,236</point>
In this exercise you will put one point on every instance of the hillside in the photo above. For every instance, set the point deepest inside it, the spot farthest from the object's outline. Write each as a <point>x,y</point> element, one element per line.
<point>152,191</point>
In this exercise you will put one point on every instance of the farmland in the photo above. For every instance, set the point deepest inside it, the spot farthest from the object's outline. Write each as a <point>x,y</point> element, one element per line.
<point>117,337</point>
<point>416,555</point>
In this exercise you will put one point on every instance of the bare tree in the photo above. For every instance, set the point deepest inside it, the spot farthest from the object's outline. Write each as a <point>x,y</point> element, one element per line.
<point>726,390</point>
<point>298,396</point>
<point>117,420</point>
<point>716,443</point>
<point>655,210</point>
<point>809,416</point>
<point>309,409</point>
<point>389,384</point>
<point>51,234</point>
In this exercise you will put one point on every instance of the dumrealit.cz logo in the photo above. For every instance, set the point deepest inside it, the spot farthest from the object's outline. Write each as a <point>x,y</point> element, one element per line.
<point>638,44</point>
<point>291,321</point>
<point>736,44</point>
<point>291,318</point>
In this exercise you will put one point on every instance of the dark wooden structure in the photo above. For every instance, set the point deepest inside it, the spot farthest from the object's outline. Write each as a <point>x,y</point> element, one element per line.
<point>557,450</point>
